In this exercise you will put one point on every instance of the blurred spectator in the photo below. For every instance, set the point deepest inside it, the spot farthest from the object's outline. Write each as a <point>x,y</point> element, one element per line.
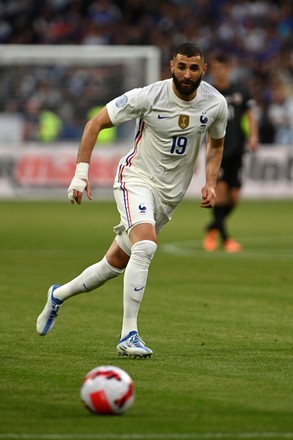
<point>280,112</point>
<point>31,120</point>
<point>40,124</point>
<point>50,126</point>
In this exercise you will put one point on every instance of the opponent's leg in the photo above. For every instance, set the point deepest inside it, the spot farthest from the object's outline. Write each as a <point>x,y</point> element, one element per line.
<point>230,244</point>
<point>216,227</point>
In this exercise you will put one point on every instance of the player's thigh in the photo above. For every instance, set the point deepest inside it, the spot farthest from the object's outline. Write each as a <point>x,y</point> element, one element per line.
<point>231,171</point>
<point>136,204</point>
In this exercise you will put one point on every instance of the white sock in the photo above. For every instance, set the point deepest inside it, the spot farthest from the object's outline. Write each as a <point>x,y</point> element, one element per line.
<point>135,279</point>
<point>91,278</point>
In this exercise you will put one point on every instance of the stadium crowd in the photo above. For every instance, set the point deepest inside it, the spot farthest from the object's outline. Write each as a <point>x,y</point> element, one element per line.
<point>257,34</point>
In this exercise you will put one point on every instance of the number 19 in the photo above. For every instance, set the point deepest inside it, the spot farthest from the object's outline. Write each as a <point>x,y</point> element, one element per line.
<point>178,145</point>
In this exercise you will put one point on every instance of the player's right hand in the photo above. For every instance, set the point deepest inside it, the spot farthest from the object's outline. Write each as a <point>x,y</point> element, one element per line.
<point>76,189</point>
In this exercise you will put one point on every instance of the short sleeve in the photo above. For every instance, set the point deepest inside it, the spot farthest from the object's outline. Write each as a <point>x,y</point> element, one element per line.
<point>217,129</point>
<point>126,107</point>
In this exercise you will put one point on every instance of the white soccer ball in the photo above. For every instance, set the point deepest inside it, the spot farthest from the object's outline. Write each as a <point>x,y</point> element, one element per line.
<point>107,390</point>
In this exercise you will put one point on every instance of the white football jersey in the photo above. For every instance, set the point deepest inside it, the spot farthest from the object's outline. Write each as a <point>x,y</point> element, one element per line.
<point>169,133</point>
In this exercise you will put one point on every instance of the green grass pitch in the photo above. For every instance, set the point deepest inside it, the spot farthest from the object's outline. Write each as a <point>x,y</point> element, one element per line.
<point>220,326</point>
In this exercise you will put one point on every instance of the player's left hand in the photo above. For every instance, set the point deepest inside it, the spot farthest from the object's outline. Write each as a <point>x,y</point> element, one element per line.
<point>252,143</point>
<point>208,197</point>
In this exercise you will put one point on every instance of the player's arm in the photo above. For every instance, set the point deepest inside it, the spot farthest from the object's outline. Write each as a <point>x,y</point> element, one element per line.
<point>252,140</point>
<point>80,181</point>
<point>214,155</point>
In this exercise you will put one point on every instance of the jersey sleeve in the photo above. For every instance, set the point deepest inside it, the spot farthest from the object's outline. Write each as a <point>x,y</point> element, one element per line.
<point>218,128</point>
<point>126,107</point>
<point>248,101</point>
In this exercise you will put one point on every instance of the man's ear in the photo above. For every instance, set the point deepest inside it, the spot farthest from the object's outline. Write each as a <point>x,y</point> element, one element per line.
<point>171,66</point>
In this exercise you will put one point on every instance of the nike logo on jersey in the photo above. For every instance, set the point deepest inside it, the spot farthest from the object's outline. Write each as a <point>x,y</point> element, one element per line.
<point>137,289</point>
<point>164,117</point>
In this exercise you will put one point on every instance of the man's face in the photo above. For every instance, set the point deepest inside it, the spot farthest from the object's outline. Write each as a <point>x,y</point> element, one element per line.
<point>219,71</point>
<point>187,73</point>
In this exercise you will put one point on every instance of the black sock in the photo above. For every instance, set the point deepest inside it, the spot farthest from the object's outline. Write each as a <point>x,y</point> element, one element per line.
<point>220,213</point>
<point>228,209</point>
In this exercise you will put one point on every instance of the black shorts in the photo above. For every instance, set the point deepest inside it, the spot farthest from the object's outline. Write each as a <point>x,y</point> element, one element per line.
<point>231,170</point>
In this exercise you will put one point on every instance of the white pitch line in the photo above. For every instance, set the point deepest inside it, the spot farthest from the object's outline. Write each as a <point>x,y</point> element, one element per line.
<point>173,436</point>
<point>189,248</point>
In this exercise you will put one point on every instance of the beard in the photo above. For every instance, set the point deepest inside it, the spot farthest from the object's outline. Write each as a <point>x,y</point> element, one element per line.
<point>186,87</point>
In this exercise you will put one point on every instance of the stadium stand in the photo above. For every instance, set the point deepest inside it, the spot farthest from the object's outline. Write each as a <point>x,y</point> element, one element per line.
<point>257,34</point>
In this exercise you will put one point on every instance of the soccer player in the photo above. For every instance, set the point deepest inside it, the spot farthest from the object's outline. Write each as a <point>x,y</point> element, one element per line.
<point>173,117</point>
<point>240,106</point>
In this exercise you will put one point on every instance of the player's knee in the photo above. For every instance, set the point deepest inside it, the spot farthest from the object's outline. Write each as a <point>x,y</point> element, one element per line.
<point>144,250</point>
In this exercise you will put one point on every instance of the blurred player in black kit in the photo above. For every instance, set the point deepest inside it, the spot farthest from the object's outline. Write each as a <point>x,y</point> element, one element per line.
<point>229,182</point>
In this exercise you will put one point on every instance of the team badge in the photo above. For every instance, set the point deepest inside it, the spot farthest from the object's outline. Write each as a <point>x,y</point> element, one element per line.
<point>203,119</point>
<point>183,121</point>
<point>121,101</point>
<point>142,208</point>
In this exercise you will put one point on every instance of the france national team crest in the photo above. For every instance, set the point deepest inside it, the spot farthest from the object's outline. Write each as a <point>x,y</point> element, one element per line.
<point>203,119</point>
<point>183,121</point>
<point>142,208</point>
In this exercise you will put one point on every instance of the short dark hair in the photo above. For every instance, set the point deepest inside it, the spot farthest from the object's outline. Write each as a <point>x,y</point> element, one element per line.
<point>221,58</point>
<point>188,49</point>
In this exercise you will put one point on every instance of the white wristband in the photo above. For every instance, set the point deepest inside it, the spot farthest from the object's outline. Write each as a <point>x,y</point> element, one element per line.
<point>82,170</point>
